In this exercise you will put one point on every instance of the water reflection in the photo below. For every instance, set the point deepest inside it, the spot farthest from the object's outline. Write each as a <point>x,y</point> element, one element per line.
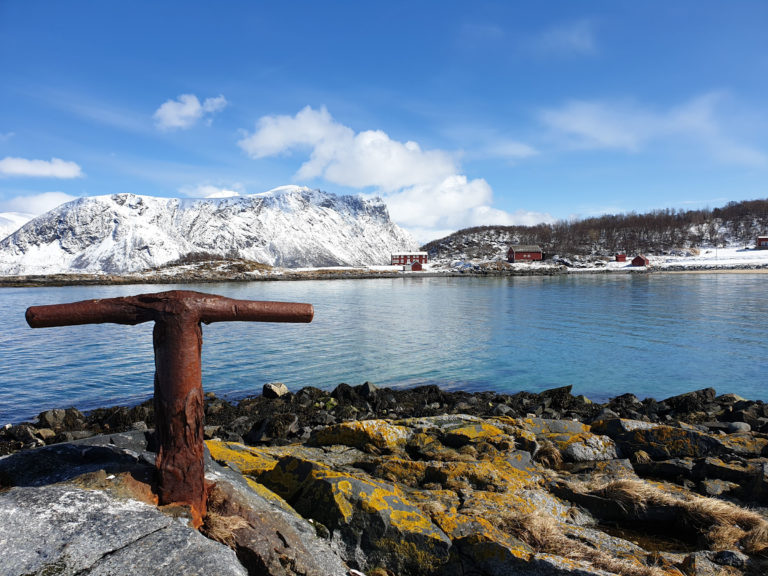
<point>653,335</point>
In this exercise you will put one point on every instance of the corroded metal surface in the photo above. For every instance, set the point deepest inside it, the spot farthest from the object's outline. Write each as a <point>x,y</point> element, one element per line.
<point>178,341</point>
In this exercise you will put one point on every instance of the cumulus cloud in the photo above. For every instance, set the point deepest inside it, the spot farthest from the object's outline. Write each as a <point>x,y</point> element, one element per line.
<point>573,38</point>
<point>53,168</point>
<point>186,111</point>
<point>424,189</point>
<point>36,204</point>
<point>211,191</point>
<point>631,127</point>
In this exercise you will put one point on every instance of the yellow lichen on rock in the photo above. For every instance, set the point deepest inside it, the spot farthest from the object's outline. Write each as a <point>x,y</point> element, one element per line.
<point>362,433</point>
<point>246,460</point>
<point>471,433</point>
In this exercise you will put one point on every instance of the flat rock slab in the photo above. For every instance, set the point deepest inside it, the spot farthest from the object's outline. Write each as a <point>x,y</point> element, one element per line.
<point>63,529</point>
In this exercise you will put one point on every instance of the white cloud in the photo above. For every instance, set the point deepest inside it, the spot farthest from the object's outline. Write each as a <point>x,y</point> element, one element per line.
<point>601,125</point>
<point>211,191</point>
<point>511,150</point>
<point>630,127</point>
<point>36,204</point>
<point>424,189</point>
<point>53,168</point>
<point>574,38</point>
<point>186,110</point>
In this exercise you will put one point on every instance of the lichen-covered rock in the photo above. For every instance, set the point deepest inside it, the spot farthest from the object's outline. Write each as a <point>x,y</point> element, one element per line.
<point>244,459</point>
<point>372,522</point>
<point>573,439</point>
<point>362,434</point>
<point>455,493</point>
<point>470,433</point>
<point>745,444</point>
<point>660,442</point>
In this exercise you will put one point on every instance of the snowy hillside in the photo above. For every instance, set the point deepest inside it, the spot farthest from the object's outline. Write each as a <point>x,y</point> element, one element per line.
<point>289,226</point>
<point>12,221</point>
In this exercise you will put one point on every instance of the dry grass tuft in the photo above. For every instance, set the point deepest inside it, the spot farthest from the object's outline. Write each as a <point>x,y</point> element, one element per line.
<point>721,524</point>
<point>545,534</point>
<point>756,540</point>
<point>222,528</point>
<point>641,457</point>
<point>548,455</point>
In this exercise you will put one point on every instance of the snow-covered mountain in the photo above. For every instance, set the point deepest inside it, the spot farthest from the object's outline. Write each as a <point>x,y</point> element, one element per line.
<point>12,221</point>
<point>288,226</point>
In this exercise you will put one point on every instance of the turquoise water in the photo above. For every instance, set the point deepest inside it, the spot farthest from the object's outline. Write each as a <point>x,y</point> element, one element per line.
<point>652,335</point>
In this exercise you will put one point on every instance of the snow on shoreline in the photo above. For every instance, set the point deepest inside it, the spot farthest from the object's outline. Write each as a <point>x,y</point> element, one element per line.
<point>730,259</point>
<point>707,259</point>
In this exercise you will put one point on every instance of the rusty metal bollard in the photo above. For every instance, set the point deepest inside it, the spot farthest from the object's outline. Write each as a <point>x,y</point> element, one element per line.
<point>178,341</point>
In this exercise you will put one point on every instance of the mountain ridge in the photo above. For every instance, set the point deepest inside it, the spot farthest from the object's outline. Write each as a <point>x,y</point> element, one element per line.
<point>123,233</point>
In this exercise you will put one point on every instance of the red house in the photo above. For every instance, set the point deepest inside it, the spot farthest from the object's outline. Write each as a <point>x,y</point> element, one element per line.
<point>414,267</point>
<point>762,243</point>
<point>621,257</point>
<point>524,253</point>
<point>640,261</point>
<point>403,258</point>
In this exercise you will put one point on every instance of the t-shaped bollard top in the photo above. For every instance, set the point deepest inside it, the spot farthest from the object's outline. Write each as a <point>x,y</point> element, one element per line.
<point>178,343</point>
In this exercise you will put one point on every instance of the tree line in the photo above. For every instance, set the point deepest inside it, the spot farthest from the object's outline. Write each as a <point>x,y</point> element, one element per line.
<point>653,232</point>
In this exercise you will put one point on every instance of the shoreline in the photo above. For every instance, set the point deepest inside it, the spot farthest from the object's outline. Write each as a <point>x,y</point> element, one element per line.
<point>314,406</point>
<point>55,280</point>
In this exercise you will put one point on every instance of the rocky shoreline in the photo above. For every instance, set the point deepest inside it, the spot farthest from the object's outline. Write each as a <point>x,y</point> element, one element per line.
<point>186,277</point>
<point>228,275</point>
<point>425,481</point>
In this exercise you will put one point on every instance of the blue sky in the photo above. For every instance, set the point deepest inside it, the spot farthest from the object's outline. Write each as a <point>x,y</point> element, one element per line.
<point>456,113</point>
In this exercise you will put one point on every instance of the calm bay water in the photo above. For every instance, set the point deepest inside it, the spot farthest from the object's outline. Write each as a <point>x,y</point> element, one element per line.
<point>652,335</point>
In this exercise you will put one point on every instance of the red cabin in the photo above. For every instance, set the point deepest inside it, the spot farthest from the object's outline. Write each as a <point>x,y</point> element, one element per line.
<point>403,258</point>
<point>762,243</point>
<point>414,267</point>
<point>621,257</point>
<point>640,261</point>
<point>524,253</point>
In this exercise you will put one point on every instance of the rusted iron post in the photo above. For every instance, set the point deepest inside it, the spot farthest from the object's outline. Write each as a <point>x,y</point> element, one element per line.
<point>178,341</point>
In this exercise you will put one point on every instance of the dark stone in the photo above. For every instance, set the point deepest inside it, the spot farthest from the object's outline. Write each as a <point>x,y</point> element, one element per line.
<point>558,398</point>
<point>696,401</point>
<point>729,558</point>
<point>345,393</point>
<point>278,427</point>
<point>53,419</point>
<point>674,469</point>
<point>502,410</point>
<point>24,434</point>
<point>72,435</point>
<point>367,390</point>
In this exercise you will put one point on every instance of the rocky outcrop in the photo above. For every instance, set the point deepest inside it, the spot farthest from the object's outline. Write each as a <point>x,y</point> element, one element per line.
<point>62,529</point>
<point>90,507</point>
<point>459,495</point>
<point>421,482</point>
